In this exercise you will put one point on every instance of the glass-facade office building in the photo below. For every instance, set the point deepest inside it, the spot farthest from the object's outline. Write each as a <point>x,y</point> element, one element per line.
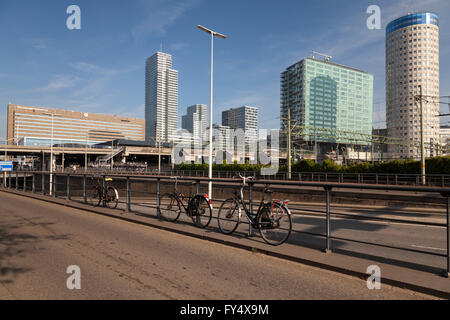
<point>326,98</point>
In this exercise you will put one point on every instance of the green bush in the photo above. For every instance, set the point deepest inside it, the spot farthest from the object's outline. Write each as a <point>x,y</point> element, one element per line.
<point>436,165</point>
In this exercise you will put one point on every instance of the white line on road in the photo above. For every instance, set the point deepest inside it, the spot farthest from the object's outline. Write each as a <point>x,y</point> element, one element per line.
<point>431,248</point>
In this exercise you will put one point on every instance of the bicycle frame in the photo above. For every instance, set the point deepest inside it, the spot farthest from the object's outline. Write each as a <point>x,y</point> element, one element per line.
<point>181,198</point>
<point>249,213</point>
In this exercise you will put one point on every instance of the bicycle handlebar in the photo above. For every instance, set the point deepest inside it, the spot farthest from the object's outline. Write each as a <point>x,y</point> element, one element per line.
<point>244,179</point>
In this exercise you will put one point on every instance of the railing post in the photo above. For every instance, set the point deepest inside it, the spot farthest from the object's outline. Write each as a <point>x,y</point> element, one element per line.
<point>43,183</point>
<point>24,182</point>
<point>396,180</point>
<point>250,199</point>
<point>128,195</point>
<point>68,187</point>
<point>17,180</point>
<point>158,197</point>
<point>328,223</point>
<point>376,178</point>
<point>33,184</point>
<point>342,178</point>
<point>198,187</point>
<point>54,185</point>
<point>447,272</point>
<point>84,189</point>
<point>104,190</point>
<point>4,179</point>
<point>359,178</point>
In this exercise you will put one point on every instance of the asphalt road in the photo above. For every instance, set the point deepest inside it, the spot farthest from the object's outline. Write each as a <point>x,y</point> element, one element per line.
<point>121,260</point>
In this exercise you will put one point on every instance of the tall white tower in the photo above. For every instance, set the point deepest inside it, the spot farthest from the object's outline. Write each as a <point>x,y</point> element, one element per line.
<point>412,60</point>
<point>161,98</point>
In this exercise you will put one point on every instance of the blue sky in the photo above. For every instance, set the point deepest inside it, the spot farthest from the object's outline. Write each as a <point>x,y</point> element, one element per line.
<point>100,68</point>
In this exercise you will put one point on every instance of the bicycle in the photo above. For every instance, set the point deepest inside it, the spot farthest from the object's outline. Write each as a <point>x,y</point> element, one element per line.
<point>198,207</point>
<point>273,218</point>
<point>108,194</point>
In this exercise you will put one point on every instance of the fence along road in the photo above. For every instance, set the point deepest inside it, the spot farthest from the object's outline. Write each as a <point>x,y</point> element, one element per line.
<point>405,241</point>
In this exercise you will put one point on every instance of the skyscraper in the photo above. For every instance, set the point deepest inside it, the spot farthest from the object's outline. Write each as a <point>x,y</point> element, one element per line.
<point>327,98</point>
<point>195,120</point>
<point>412,60</point>
<point>161,98</point>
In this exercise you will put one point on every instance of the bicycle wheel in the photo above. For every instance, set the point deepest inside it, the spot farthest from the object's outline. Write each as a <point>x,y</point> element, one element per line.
<point>200,211</point>
<point>169,207</point>
<point>94,197</point>
<point>112,198</point>
<point>229,216</point>
<point>274,225</point>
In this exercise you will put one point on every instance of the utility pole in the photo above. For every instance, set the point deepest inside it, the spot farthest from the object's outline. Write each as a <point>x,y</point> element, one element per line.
<point>289,146</point>
<point>422,139</point>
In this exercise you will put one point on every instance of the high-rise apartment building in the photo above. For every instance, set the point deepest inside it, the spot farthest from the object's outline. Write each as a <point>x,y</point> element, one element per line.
<point>195,120</point>
<point>412,60</point>
<point>245,118</point>
<point>326,98</point>
<point>161,98</point>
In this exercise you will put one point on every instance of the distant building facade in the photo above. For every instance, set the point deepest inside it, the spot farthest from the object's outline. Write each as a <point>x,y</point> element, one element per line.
<point>161,98</point>
<point>412,60</point>
<point>33,126</point>
<point>445,139</point>
<point>244,118</point>
<point>195,120</point>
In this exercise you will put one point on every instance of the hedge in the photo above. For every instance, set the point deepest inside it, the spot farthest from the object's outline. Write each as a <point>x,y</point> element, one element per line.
<point>436,165</point>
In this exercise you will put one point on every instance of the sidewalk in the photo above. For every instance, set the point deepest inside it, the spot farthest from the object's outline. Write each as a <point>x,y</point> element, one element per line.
<point>395,275</point>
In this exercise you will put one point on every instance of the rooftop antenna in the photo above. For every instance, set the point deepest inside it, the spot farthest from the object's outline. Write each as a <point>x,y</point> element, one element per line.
<point>325,56</point>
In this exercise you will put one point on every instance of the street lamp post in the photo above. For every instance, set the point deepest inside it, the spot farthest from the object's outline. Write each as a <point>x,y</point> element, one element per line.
<point>51,155</point>
<point>212,33</point>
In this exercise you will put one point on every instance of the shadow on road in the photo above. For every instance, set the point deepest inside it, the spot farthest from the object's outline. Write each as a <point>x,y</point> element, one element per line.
<point>17,240</point>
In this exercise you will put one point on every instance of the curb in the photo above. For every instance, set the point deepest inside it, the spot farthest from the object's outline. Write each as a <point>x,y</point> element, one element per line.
<point>329,267</point>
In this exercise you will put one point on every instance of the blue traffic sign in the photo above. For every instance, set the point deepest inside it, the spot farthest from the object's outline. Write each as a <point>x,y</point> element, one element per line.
<point>6,166</point>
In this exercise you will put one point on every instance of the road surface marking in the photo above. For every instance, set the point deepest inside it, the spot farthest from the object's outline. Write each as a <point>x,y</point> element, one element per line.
<point>440,249</point>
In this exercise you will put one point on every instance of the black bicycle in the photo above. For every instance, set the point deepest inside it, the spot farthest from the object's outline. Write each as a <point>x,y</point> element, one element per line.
<point>198,206</point>
<point>273,218</point>
<point>108,194</point>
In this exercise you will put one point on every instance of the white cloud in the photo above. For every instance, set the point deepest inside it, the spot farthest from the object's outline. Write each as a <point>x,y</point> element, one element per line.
<point>159,16</point>
<point>60,82</point>
<point>36,43</point>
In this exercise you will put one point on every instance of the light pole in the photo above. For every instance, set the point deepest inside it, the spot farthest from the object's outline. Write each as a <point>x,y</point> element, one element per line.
<point>212,33</point>
<point>51,155</point>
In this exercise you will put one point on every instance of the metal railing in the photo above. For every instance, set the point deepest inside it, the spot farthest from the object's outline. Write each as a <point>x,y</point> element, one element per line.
<point>75,187</point>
